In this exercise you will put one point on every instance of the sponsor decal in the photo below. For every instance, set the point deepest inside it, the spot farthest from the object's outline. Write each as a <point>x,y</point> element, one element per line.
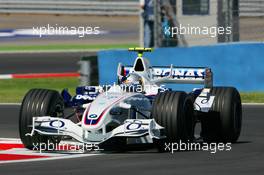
<point>57,123</point>
<point>134,125</point>
<point>180,73</point>
<point>177,73</point>
<point>84,97</point>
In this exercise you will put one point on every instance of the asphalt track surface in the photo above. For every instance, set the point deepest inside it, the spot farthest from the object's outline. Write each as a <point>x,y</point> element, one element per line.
<point>246,157</point>
<point>41,62</point>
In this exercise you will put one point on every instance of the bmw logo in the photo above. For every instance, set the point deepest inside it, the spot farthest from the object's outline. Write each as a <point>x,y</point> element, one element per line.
<point>92,116</point>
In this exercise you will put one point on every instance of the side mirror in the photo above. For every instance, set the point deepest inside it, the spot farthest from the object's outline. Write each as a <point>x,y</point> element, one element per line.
<point>124,105</point>
<point>120,70</point>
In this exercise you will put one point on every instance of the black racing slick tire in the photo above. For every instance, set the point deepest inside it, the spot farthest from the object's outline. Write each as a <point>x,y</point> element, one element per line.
<point>174,111</point>
<point>39,102</point>
<point>224,120</point>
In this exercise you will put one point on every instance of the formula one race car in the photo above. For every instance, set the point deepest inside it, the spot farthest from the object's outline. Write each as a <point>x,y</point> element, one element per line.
<point>137,106</point>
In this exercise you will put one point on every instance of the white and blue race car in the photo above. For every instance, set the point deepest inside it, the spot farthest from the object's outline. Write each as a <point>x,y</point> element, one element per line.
<point>139,105</point>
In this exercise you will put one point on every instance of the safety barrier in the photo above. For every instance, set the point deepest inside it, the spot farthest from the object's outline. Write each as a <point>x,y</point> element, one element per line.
<point>239,65</point>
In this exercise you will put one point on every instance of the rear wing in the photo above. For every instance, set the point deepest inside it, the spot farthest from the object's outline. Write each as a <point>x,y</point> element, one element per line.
<point>180,75</point>
<point>184,75</point>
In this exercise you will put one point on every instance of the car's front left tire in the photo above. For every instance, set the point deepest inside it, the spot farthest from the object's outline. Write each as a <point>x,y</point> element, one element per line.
<point>174,111</point>
<point>37,103</point>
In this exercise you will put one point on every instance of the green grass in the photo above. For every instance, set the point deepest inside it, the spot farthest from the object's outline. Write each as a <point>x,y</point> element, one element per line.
<point>63,47</point>
<point>13,90</point>
<point>252,97</point>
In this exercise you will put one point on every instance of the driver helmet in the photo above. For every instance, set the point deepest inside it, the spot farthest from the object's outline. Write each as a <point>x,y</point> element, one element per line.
<point>131,82</point>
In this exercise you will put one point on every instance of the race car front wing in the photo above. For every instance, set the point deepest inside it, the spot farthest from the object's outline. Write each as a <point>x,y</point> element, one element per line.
<point>47,125</point>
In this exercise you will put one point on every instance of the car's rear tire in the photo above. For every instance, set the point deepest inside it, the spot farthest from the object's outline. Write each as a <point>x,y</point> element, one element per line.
<point>224,120</point>
<point>174,111</point>
<point>39,102</point>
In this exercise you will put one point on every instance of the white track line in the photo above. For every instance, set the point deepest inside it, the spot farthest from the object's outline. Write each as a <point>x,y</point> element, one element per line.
<point>5,76</point>
<point>50,158</point>
<point>10,140</point>
<point>253,104</point>
<point>25,151</point>
<point>11,104</point>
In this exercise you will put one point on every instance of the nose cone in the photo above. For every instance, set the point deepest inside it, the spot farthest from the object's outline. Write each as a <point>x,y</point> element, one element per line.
<point>96,113</point>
